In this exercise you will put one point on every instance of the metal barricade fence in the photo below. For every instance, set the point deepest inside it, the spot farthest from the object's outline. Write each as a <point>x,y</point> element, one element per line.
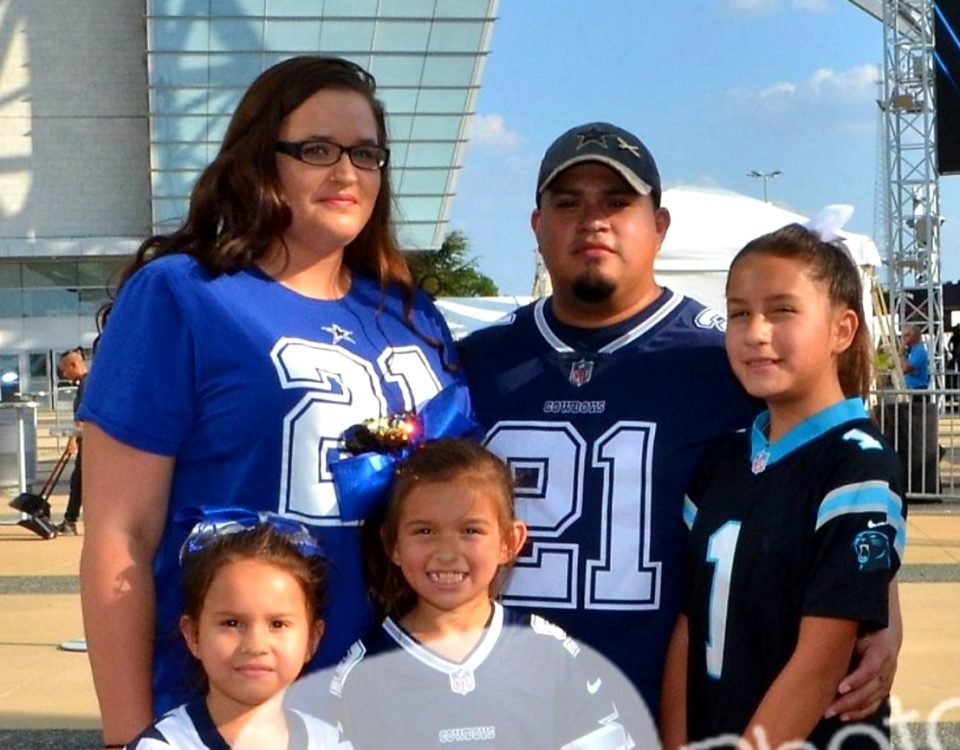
<point>923,426</point>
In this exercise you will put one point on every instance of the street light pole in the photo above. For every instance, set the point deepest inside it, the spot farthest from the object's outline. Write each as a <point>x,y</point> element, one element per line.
<point>764,176</point>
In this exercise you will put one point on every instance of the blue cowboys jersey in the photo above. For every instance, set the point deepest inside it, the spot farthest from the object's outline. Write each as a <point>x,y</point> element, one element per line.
<point>812,525</point>
<point>190,727</point>
<point>602,429</point>
<point>522,686</point>
<point>249,386</point>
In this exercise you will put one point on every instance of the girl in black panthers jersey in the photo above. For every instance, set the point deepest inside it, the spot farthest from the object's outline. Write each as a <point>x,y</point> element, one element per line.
<point>796,527</point>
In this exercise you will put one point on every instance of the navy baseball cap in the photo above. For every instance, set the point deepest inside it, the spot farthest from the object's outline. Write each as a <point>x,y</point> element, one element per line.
<point>607,144</point>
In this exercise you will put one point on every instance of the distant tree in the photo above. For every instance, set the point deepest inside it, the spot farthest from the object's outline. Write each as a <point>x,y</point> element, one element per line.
<point>450,271</point>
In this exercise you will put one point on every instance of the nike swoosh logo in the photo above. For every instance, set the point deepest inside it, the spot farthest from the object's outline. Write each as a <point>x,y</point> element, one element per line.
<point>593,687</point>
<point>877,524</point>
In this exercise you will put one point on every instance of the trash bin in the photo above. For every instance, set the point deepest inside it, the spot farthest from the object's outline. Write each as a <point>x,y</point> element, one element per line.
<point>913,429</point>
<point>11,413</point>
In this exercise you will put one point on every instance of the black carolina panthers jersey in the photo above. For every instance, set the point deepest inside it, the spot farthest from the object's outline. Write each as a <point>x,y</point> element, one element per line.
<point>812,525</point>
<point>602,430</point>
<point>523,686</point>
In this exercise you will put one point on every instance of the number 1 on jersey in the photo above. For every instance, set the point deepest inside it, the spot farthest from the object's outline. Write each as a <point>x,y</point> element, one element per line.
<point>721,549</point>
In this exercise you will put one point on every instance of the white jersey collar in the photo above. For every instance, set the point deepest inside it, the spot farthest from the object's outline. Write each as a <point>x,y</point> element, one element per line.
<point>645,323</point>
<point>433,660</point>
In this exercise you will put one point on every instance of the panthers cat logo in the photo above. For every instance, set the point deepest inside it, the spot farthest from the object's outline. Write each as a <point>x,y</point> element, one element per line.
<point>872,549</point>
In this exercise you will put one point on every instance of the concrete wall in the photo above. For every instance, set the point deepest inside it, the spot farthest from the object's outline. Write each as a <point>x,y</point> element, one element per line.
<point>74,156</point>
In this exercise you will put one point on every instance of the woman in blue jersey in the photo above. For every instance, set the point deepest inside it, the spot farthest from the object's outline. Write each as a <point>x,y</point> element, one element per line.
<point>239,348</point>
<point>797,527</point>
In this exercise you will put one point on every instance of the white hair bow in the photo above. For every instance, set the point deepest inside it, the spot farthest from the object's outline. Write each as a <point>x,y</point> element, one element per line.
<point>828,222</point>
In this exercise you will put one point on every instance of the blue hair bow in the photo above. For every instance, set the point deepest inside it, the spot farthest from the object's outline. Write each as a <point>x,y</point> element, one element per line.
<point>362,481</point>
<point>209,524</point>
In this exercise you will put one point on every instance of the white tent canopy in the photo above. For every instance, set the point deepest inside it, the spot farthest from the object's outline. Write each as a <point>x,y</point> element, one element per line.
<point>707,230</point>
<point>466,314</point>
<point>709,227</point>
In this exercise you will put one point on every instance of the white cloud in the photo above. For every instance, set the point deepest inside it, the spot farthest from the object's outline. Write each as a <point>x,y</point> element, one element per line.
<point>840,100</point>
<point>814,6</point>
<point>491,131</point>
<point>749,6</point>
<point>766,6</point>
<point>824,84</point>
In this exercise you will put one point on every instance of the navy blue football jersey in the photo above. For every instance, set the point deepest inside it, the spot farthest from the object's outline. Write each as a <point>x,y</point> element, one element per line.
<point>812,525</point>
<point>249,385</point>
<point>522,686</point>
<point>602,430</point>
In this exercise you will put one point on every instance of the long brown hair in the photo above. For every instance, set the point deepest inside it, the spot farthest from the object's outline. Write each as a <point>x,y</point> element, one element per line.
<point>832,265</point>
<point>435,461</point>
<point>237,210</point>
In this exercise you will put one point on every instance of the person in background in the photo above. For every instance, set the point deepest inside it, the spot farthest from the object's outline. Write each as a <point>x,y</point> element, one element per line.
<point>915,360</point>
<point>73,367</point>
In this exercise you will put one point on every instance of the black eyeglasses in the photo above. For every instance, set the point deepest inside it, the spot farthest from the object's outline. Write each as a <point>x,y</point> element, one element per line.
<point>327,153</point>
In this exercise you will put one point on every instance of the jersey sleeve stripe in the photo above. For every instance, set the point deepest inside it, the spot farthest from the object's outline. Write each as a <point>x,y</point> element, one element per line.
<point>866,497</point>
<point>611,736</point>
<point>689,511</point>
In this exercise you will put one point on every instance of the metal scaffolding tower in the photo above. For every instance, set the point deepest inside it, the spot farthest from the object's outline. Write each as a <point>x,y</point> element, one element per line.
<point>909,106</point>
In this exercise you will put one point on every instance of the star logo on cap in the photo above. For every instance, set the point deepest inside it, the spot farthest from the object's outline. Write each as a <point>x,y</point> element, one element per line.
<point>592,135</point>
<point>624,146</point>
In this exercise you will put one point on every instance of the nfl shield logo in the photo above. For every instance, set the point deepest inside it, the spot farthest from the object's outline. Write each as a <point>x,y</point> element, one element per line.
<point>760,462</point>
<point>581,372</point>
<point>462,682</point>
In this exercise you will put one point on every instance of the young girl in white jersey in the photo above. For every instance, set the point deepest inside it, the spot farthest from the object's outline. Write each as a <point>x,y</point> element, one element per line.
<point>797,527</point>
<point>253,588</point>
<point>449,664</point>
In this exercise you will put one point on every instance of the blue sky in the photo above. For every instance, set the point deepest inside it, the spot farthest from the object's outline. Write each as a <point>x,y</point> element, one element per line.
<point>715,88</point>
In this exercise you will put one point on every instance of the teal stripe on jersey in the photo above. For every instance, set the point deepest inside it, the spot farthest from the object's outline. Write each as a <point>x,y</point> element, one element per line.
<point>874,496</point>
<point>689,512</point>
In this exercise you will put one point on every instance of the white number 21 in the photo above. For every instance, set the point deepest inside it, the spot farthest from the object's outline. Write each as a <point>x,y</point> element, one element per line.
<point>549,461</point>
<point>340,389</point>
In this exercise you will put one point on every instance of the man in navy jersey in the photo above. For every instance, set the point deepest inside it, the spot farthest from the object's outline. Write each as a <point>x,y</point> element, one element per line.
<point>602,398</point>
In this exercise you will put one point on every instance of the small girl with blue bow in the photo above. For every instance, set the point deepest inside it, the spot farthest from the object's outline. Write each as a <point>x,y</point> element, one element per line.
<point>252,594</point>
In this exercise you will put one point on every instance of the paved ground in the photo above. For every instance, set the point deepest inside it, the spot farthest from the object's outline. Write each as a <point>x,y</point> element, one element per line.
<point>47,698</point>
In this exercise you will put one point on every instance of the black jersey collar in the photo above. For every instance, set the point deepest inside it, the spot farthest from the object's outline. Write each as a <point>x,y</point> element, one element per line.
<point>203,723</point>
<point>298,737</point>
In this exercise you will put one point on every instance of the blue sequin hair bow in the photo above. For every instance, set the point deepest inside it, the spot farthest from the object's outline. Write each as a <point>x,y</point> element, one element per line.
<point>210,524</point>
<point>372,452</point>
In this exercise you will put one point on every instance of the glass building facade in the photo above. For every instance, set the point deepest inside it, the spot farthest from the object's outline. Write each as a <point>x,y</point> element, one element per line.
<point>427,57</point>
<point>106,135</point>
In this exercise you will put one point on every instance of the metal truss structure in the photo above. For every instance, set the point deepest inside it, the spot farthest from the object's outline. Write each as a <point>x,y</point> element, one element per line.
<point>908,103</point>
<point>916,291</point>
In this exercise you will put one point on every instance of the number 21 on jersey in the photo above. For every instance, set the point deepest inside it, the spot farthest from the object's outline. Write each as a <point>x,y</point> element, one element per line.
<point>340,389</point>
<point>548,461</point>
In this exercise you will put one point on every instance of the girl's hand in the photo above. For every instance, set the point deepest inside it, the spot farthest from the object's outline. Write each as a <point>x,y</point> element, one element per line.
<point>862,691</point>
